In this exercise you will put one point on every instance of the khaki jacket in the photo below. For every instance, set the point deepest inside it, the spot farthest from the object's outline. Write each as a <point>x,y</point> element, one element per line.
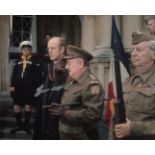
<point>139,97</point>
<point>85,98</point>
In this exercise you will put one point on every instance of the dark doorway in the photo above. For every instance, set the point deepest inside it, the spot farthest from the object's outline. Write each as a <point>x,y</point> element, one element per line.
<point>68,25</point>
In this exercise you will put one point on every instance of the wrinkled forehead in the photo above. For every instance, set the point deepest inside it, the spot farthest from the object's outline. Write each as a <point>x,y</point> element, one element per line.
<point>143,46</point>
<point>55,41</point>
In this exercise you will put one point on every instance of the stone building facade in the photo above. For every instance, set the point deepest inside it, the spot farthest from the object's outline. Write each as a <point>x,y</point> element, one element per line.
<point>92,32</point>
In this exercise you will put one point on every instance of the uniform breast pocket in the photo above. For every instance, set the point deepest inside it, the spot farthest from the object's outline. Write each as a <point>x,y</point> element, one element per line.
<point>143,100</point>
<point>72,97</point>
<point>77,97</point>
<point>149,99</point>
<point>67,97</point>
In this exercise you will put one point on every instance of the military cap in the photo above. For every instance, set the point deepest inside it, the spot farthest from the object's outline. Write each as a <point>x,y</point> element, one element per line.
<point>138,37</point>
<point>149,17</point>
<point>25,44</point>
<point>76,52</point>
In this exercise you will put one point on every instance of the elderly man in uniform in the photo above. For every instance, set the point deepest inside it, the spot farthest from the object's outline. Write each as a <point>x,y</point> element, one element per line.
<point>82,101</point>
<point>139,91</point>
<point>26,77</point>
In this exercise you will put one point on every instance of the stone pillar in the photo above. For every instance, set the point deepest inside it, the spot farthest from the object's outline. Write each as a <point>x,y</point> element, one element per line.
<point>102,49</point>
<point>103,31</point>
<point>4,47</point>
<point>88,33</point>
<point>130,24</point>
<point>96,38</point>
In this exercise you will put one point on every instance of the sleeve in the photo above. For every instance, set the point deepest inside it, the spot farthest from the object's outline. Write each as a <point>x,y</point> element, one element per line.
<point>111,134</point>
<point>143,128</point>
<point>93,98</point>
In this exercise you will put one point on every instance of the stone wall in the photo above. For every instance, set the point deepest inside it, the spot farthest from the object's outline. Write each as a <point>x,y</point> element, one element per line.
<point>96,38</point>
<point>4,49</point>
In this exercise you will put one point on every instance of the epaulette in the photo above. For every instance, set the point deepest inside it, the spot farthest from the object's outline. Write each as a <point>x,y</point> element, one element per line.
<point>92,76</point>
<point>94,79</point>
<point>94,82</point>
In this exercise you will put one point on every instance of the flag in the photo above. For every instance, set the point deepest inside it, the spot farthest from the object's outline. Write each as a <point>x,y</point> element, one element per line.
<point>117,47</point>
<point>110,97</point>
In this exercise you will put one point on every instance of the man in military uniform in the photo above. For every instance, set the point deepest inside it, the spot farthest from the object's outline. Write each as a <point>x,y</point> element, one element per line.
<point>139,91</point>
<point>150,24</point>
<point>26,77</point>
<point>82,101</point>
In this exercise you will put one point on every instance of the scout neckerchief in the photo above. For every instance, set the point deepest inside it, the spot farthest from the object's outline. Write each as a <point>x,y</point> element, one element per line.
<point>25,60</point>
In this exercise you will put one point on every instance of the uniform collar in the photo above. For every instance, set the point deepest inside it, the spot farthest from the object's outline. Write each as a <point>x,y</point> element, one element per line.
<point>146,75</point>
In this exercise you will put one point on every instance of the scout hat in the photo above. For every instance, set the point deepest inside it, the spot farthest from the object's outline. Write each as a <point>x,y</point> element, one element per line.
<point>25,44</point>
<point>76,52</point>
<point>138,37</point>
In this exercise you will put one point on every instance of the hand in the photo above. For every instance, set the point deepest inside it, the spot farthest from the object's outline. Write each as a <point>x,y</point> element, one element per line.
<point>12,91</point>
<point>123,130</point>
<point>55,109</point>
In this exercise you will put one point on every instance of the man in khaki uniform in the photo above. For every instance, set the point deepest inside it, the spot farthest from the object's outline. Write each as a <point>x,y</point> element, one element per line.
<point>150,24</point>
<point>139,91</point>
<point>82,101</point>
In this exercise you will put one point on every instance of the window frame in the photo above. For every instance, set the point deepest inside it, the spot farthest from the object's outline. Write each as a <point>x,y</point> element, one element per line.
<point>33,36</point>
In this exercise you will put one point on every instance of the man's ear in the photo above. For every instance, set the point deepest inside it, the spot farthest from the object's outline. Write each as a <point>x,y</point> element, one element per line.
<point>81,62</point>
<point>62,49</point>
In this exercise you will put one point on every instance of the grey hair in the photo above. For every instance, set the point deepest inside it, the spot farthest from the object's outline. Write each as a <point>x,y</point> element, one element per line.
<point>151,45</point>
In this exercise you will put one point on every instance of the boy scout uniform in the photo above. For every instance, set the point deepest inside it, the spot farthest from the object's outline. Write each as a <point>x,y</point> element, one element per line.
<point>26,77</point>
<point>139,98</point>
<point>84,100</point>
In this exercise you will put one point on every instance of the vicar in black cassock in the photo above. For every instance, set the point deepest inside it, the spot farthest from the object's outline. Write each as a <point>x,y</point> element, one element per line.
<point>46,125</point>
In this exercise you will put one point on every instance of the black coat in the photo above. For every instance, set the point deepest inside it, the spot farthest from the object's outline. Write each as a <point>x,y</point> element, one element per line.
<point>46,125</point>
<point>26,85</point>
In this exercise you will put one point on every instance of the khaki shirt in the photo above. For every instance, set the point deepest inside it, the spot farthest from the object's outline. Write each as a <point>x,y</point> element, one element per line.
<point>85,99</point>
<point>139,97</point>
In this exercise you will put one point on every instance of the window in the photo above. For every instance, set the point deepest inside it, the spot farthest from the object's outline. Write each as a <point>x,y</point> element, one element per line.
<point>23,28</point>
